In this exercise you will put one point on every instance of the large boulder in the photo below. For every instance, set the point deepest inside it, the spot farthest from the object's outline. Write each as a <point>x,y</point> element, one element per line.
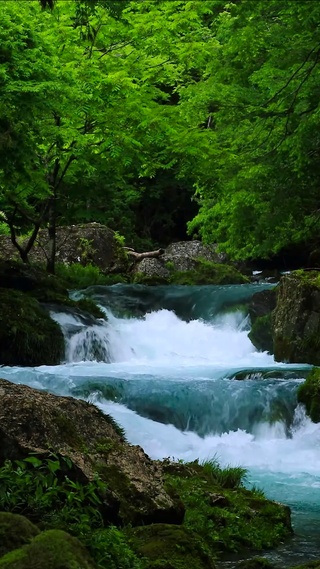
<point>33,421</point>
<point>296,318</point>
<point>183,255</point>
<point>88,243</point>
<point>187,263</point>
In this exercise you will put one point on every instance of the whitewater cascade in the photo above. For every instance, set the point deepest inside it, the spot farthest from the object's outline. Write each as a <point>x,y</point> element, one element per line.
<point>175,367</point>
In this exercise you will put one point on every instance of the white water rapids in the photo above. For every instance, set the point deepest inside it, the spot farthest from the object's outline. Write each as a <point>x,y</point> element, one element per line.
<point>172,381</point>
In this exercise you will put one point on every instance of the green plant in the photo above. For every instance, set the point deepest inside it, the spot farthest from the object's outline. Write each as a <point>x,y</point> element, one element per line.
<point>109,547</point>
<point>229,477</point>
<point>40,488</point>
<point>86,248</point>
<point>79,276</point>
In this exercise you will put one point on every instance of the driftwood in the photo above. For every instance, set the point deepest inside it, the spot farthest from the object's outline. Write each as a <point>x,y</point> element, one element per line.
<point>147,255</point>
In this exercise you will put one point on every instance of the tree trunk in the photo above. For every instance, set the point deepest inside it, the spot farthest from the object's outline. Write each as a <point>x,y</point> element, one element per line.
<point>52,245</point>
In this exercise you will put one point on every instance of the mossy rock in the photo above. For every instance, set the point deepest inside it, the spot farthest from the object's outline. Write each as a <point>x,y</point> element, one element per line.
<point>28,336</point>
<point>261,333</point>
<point>208,273</point>
<point>165,546</point>
<point>15,531</point>
<point>223,512</point>
<point>149,280</point>
<point>309,395</point>
<point>52,549</point>
<point>296,318</point>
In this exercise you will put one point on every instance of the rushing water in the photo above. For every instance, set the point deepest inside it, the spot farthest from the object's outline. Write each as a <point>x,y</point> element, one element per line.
<point>175,367</point>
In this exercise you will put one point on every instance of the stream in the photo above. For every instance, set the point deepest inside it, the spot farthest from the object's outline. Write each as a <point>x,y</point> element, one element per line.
<point>175,367</point>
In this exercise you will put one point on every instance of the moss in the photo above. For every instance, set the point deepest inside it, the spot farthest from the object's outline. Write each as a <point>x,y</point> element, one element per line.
<point>105,446</point>
<point>209,273</point>
<point>89,306</point>
<point>308,277</point>
<point>53,549</point>
<point>309,395</point>
<point>130,501</point>
<point>28,336</point>
<point>166,546</point>
<point>149,280</point>
<point>15,531</point>
<point>261,333</point>
<point>224,513</point>
<point>69,430</point>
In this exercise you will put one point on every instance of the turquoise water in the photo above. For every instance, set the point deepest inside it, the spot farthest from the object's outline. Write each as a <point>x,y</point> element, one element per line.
<point>167,369</point>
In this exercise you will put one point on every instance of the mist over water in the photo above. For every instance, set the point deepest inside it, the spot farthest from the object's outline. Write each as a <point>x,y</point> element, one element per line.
<point>175,367</point>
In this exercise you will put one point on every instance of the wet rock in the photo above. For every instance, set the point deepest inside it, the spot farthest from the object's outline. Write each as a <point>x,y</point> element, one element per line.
<point>296,319</point>
<point>34,421</point>
<point>262,303</point>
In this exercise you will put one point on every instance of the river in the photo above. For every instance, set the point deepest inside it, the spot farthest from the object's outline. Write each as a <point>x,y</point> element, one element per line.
<point>175,367</point>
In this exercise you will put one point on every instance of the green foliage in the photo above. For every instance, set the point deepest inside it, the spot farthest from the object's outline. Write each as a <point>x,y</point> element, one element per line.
<point>135,114</point>
<point>79,276</point>
<point>44,490</point>
<point>229,477</point>
<point>110,548</point>
<point>217,504</point>
<point>41,489</point>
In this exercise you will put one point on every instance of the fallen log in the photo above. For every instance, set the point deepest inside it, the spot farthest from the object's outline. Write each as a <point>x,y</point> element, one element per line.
<point>147,255</point>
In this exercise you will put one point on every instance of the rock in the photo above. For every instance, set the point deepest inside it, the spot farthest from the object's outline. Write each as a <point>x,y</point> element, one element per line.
<point>309,394</point>
<point>28,336</point>
<point>261,307</point>
<point>185,262</point>
<point>262,303</point>
<point>15,531</point>
<point>183,255</point>
<point>52,549</point>
<point>26,278</point>
<point>34,421</point>
<point>170,547</point>
<point>151,271</point>
<point>90,243</point>
<point>261,334</point>
<point>296,319</point>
